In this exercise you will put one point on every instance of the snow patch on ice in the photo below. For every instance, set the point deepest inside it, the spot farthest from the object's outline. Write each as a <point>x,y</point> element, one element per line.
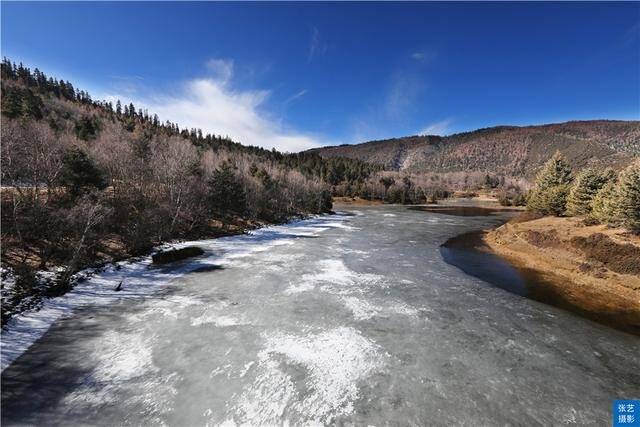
<point>217,320</point>
<point>361,309</point>
<point>296,289</point>
<point>169,306</point>
<point>335,362</point>
<point>364,310</point>
<point>124,365</point>
<point>335,277</point>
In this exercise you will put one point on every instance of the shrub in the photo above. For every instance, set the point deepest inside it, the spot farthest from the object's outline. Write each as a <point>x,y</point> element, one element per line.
<point>519,200</point>
<point>621,258</point>
<point>510,198</point>
<point>504,199</point>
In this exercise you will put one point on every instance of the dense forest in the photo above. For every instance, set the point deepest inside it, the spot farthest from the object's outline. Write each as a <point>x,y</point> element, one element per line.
<point>86,181</point>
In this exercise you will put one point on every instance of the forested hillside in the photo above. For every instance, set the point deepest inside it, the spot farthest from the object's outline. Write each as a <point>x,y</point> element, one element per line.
<point>509,151</point>
<point>86,181</point>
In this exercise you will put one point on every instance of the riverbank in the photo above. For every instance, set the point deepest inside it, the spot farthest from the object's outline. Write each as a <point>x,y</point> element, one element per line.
<point>137,278</point>
<point>20,294</point>
<point>594,269</point>
<point>356,201</point>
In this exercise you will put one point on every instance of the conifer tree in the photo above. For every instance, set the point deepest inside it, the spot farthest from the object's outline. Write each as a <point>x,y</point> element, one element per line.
<point>604,206</point>
<point>11,102</point>
<point>629,197</point>
<point>80,172</point>
<point>549,196</point>
<point>226,193</point>
<point>586,185</point>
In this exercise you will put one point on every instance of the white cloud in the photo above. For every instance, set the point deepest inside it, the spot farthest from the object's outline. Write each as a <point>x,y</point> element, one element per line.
<point>212,105</point>
<point>437,128</point>
<point>419,56</point>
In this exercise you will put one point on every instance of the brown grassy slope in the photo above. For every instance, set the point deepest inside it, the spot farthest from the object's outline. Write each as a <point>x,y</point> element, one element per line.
<point>508,150</point>
<point>390,153</point>
<point>594,268</point>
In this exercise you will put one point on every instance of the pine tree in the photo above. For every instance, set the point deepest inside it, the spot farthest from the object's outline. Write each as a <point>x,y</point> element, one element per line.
<point>11,102</point>
<point>80,172</point>
<point>585,187</point>
<point>604,206</point>
<point>87,127</point>
<point>549,196</point>
<point>32,105</point>
<point>226,193</point>
<point>629,197</point>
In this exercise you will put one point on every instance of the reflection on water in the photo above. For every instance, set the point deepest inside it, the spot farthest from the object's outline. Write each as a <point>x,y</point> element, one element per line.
<point>468,253</point>
<point>463,210</point>
<point>462,252</point>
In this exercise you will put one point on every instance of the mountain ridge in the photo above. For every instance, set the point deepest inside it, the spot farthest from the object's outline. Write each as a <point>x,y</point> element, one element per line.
<point>516,151</point>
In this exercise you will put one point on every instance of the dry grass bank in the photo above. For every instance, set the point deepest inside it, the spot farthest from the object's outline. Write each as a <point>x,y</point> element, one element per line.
<point>594,268</point>
<point>344,200</point>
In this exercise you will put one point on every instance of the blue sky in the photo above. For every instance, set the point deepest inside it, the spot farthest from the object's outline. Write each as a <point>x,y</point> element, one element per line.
<point>295,75</point>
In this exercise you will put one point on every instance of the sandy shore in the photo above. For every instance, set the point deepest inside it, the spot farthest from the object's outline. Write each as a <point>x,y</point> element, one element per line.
<point>593,268</point>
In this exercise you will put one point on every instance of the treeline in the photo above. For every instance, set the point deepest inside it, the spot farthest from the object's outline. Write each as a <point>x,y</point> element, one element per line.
<point>22,98</point>
<point>85,181</point>
<point>407,188</point>
<point>601,196</point>
<point>394,187</point>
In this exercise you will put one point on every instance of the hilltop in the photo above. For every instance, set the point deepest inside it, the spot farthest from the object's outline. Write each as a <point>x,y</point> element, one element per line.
<point>503,150</point>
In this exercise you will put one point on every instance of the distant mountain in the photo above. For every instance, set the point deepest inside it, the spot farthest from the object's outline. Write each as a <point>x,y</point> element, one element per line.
<point>508,150</point>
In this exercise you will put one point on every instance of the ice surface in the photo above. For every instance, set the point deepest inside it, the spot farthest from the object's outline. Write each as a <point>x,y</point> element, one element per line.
<point>140,278</point>
<point>336,320</point>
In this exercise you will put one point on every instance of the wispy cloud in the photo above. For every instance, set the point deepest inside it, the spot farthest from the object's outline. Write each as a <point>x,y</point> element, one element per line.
<point>423,56</point>
<point>129,85</point>
<point>317,46</point>
<point>404,90</point>
<point>295,96</point>
<point>393,113</point>
<point>215,106</point>
<point>437,128</point>
<point>222,69</point>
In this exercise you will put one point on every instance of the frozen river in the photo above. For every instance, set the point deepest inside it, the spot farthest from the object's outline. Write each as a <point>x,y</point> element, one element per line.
<point>348,319</point>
